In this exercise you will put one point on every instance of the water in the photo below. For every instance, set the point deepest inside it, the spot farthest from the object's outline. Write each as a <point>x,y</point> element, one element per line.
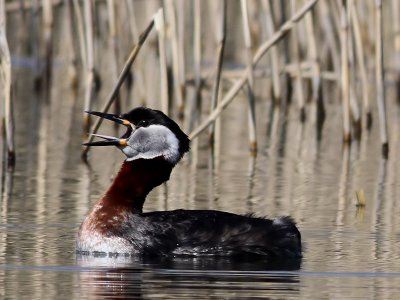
<point>349,251</point>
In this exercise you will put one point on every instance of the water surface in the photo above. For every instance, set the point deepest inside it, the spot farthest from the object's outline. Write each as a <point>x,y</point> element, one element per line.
<point>349,251</point>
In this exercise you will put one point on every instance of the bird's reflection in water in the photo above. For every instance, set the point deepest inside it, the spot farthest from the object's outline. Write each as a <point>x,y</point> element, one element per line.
<point>188,277</point>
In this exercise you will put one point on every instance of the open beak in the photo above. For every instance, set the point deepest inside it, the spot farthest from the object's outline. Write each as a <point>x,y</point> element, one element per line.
<point>110,140</point>
<point>111,117</point>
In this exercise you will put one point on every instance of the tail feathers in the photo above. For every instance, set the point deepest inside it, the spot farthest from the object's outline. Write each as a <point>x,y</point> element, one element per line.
<point>286,236</point>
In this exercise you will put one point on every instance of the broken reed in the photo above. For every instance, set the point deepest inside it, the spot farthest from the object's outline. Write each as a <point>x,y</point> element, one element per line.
<point>327,40</point>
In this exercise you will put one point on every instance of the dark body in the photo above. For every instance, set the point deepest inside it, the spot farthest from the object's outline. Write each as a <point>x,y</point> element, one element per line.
<point>117,224</point>
<point>208,232</point>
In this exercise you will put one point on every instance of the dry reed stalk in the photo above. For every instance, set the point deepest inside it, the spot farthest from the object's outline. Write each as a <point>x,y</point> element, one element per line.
<point>81,32</point>
<point>344,34</point>
<point>27,4</point>
<point>270,28</point>
<point>197,53</point>
<point>113,34</point>
<point>250,79</point>
<point>121,78</point>
<point>34,39</point>
<point>380,89</point>
<point>354,106</point>
<point>178,79</point>
<point>355,113</point>
<point>139,73</point>
<point>195,105</point>
<point>361,64</point>
<point>318,107</point>
<point>220,35</point>
<point>6,81</point>
<point>180,13</point>
<point>396,31</point>
<point>280,10</point>
<point>115,50</point>
<point>277,36</point>
<point>72,61</point>
<point>89,74</point>
<point>160,27</point>
<point>296,62</point>
<point>334,10</point>
<point>48,22</point>
<point>329,31</point>
<point>317,97</point>
<point>306,72</point>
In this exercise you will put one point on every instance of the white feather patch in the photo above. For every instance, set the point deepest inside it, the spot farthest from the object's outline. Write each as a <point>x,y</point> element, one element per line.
<point>152,141</point>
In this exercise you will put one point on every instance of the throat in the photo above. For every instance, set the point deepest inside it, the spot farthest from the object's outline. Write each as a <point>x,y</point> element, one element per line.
<point>135,180</point>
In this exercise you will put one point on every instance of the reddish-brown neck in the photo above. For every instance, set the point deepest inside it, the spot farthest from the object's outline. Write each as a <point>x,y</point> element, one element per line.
<point>135,180</point>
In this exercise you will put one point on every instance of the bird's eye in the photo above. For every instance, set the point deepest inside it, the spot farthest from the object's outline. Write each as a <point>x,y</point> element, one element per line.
<point>142,123</point>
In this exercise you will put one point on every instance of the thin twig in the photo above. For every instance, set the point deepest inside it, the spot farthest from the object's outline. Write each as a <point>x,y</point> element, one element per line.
<point>121,78</point>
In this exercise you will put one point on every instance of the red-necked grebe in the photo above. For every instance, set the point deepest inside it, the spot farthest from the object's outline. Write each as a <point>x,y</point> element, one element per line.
<point>153,145</point>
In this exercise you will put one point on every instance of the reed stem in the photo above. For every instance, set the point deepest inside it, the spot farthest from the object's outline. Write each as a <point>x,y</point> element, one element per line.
<point>270,28</point>
<point>89,72</point>
<point>139,72</point>
<point>296,62</point>
<point>121,78</point>
<point>344,33</point>
<point>5,81</point>
<point>250,79</point>
<point>112,25</point>
<point>72,59</point>
<point>48,22</point>
<point>361,64</point>
<point>178,78</point>
<point>81,32</point>
<point>380,90</point>
<point>329,31</point>
<point>160,27</point>
<point>195,103</point>
<point>277,36</point>
<point>221,40</point>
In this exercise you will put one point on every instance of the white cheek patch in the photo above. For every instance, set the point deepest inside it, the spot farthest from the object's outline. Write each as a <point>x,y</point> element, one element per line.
<point>152,141</point>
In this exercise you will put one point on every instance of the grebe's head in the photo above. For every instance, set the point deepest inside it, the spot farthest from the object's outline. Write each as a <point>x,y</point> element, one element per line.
<point>150,134</point>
